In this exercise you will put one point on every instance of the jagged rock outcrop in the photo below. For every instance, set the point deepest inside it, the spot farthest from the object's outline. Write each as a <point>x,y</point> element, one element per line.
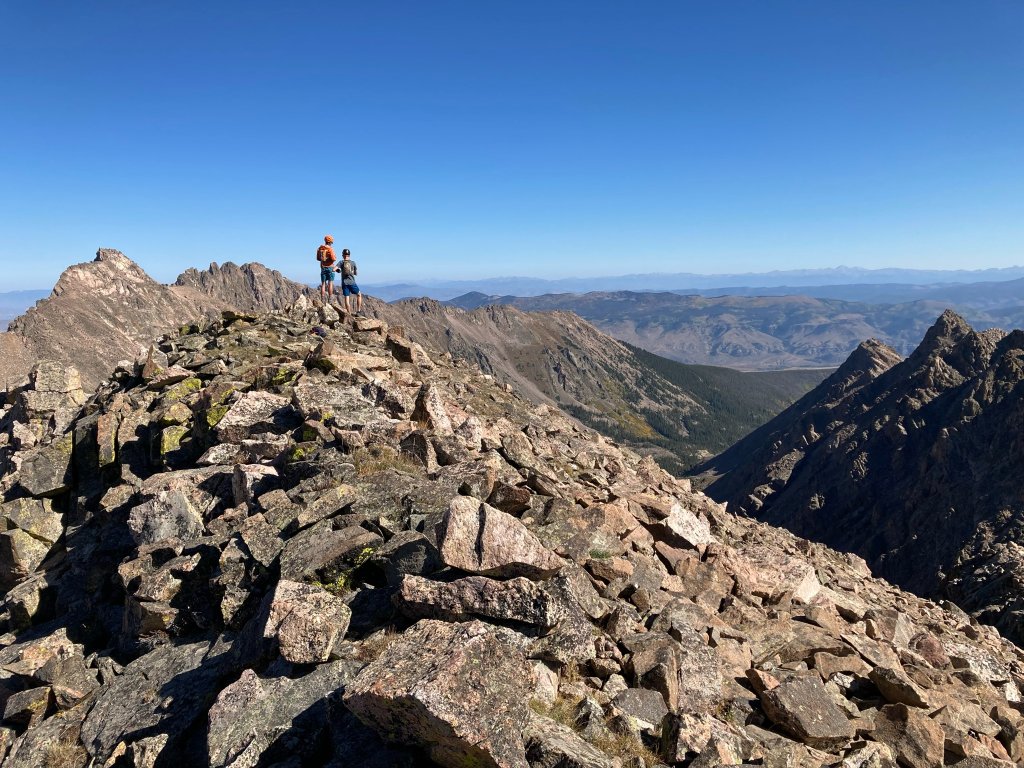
<point>107,310</point>
<point>240,573</point>
<point>913,464</point>
<point>250,287</point>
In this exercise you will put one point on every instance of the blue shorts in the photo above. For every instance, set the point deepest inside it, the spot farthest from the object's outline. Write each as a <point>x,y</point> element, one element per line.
<point>326,274</point>
<point>349,289</point>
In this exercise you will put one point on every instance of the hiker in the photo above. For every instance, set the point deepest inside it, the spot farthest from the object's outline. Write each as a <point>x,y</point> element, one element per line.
<point>325,255</point>
<point>349,271</point>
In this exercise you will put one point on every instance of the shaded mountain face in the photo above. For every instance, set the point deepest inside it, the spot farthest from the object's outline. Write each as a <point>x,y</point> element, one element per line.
<point>680,414</point>
<point>109,309</point>
<point>914,464</point>
<point>289,540</point>
<point>748,332</point>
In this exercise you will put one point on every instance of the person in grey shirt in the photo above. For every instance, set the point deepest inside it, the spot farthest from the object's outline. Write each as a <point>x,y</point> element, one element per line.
<point>349,270</point>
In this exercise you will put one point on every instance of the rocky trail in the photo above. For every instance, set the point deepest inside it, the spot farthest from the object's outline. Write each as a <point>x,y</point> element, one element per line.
<point>260,545</point>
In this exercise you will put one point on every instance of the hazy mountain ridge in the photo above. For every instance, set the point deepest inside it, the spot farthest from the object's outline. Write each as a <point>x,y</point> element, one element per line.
<point>913,463</point>
<point>801,279</point>
<point>755,333</point>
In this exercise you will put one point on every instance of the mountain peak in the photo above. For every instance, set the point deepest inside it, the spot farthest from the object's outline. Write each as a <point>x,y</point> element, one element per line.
<point>948,329</point>
<point>871,357</point>
<point>105,310</point>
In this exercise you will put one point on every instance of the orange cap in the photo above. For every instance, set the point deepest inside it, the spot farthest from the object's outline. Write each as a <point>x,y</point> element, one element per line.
<point>328,239</point>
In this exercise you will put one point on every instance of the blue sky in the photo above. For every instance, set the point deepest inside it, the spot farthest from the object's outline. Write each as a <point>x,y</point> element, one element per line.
<point>468,139</point>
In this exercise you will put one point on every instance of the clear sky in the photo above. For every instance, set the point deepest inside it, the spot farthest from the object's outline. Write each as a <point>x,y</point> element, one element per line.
<point>471,139</point>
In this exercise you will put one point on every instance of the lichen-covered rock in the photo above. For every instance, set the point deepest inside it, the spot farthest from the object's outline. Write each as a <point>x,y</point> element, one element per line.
<point>307,622</point>
<point>685,672</point>
<point>323,554</point>
<point>20,555</point>
<point>36,517</point>
<point>164,691</point>
<point>250,481</point>
<point>255,412</point>
<point>459,691</point>
<point>46,471</point>
<point>251,714</point>
<point>803,707</point>
<point>475,537</point>
<point>169,515</point>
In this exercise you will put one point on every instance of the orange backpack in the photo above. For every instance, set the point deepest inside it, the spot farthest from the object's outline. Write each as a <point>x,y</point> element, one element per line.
<point>325,256</point>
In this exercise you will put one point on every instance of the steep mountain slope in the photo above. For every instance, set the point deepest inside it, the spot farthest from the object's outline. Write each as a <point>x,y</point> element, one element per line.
<point>745,332</point>
<point>109,309</point>
<point>287,540</point>
<point>680,414</point>
<point>913,464</point>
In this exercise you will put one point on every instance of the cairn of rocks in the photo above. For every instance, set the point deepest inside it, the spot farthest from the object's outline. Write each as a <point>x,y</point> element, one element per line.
<point>289,540</point>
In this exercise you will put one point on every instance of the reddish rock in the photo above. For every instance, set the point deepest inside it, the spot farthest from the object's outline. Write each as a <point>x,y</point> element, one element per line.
<point>459,691</point>
<point>476,537</point>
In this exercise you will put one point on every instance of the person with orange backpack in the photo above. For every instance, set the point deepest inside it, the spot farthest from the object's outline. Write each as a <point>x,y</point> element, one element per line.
<point>325,255</point>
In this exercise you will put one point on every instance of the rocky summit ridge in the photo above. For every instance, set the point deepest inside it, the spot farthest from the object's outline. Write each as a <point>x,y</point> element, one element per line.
<point>103,311</point>
<point>287,540</point>
<point>914,464</point>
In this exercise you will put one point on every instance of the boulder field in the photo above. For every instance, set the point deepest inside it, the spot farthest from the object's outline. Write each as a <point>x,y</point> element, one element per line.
<point>295,540</point>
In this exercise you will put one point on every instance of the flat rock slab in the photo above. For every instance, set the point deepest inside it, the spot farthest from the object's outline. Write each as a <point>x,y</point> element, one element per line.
<point>323,554</point>
<point>459,691</point>
<point>518,600</point>
<point>164,692</point>
<point>34,516</point>
<point>682,528</point>
<point>804,708</point>
<point>256,412</point>
<point>475,537</point>
<point>324,400</point>
<point>46,471</point>
<point>897,688</point>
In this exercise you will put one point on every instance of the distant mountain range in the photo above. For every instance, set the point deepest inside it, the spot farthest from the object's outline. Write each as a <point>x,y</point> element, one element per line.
<point>864,284</point>
<point>770,332</point>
